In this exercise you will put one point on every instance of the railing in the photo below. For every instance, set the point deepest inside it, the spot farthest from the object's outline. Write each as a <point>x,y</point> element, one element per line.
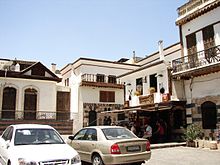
<point>99,78</point>
<point>199,59</point>
<point>190,6</point>
<point>34,115</point>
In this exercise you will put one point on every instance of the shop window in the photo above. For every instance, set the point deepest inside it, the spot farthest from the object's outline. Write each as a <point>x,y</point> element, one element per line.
<point>209,115</point>
<point>107,96</point>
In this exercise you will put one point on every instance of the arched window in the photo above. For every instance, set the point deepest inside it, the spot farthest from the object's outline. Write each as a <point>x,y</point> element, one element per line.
<point>9,103</point>
<point>209,115</point>
<point>30,104</point>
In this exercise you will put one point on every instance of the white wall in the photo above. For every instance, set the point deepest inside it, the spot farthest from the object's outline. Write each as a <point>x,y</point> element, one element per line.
<point>46,92</point>
<point>200,22</point>
<point>203,86</point>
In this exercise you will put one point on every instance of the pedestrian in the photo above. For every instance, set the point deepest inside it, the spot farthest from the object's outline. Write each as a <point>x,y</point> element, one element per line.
<point>133,129</point>
<point>159,134</point>
<point>147,131</point>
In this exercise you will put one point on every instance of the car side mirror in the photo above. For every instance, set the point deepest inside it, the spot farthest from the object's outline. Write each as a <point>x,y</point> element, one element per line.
<point>71,137</point>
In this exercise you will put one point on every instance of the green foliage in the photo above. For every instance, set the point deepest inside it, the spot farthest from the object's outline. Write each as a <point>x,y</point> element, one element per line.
<point>193,132</point>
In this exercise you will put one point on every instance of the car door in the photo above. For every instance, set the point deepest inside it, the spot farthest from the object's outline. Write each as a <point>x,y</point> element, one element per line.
<point>89,143</point>
<point>83,142</point>
<point>5,140</point>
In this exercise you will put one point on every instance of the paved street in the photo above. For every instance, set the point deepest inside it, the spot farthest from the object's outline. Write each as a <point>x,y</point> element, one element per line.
<point>184,156</point>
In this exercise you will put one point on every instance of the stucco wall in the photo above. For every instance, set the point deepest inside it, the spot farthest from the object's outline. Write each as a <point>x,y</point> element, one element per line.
<point>46,92</point>
<point>197,24</point>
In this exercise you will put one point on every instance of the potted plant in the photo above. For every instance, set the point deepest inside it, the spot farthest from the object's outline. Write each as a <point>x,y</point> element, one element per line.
<point>192,133</point>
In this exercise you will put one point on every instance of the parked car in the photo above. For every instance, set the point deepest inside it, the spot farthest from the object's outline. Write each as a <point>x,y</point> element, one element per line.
<point>101,145</point>
<point>33,144</point>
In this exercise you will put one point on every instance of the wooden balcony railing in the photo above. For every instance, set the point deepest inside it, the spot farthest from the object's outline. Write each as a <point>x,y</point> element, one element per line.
<point>190,6</point>
<point>200,59</point>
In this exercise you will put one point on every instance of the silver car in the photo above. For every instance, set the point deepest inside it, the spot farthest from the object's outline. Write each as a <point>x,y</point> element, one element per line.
<point>101,145</point>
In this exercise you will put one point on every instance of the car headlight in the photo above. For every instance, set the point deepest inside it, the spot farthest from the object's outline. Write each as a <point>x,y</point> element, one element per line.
<point>75,159</point>
<point>22,161</point>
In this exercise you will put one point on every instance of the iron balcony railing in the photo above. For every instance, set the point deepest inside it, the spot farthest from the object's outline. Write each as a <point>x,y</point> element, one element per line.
<point>34,115</point>
<point>190,6</point>
<point>200,59</point>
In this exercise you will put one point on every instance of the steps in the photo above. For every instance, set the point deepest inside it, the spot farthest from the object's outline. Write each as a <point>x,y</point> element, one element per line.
<point>63,127</point>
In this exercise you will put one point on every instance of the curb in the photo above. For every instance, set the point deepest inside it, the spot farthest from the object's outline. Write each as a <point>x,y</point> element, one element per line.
<point>167,145</point>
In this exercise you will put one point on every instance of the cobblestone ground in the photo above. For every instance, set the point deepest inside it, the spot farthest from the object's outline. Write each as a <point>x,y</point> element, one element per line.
<point>184,156</point>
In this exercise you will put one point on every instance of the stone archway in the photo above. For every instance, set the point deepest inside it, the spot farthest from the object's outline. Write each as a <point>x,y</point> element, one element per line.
<point>209,115</point>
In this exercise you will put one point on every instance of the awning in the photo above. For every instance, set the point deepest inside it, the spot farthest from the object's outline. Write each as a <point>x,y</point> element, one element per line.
<point>150,107</point>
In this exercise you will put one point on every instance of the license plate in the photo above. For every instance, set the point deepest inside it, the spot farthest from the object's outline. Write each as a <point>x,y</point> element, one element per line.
<point>133,148</point>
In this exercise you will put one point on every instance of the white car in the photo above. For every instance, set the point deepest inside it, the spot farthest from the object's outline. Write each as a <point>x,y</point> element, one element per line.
<point>34,144</point>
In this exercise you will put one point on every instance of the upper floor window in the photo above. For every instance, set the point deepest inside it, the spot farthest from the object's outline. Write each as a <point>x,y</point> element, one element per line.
<point>191,44</point>
<point>100,78</point>
<point>67,82</point>
<point>112,79</point>
<point>208,37</point>
<point>107,96</point>
<point>139,85</point>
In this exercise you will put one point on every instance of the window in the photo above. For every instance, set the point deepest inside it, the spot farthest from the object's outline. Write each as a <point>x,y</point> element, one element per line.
<point>191,49</point>
<point>107,96</point>
<point>100,78</point>
<point>139,85</point>
<point>67,82</point>
<point>7,135</point>
<point>208,37</point>
<point>9,103</point>
<point>209,115</point>
<point>112,79</point>
<point>209,42</point>
<point>91,134</point>
<point>153,81</point>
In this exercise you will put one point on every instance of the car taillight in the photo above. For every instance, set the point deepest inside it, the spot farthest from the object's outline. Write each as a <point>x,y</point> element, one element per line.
<point>147,146</point>
<point>115,149</point>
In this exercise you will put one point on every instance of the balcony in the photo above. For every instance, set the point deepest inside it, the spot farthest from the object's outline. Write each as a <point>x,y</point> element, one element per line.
<point>100,80</point>
<point>200,63</point>
<point>195,8</point>
<point>190,6</point>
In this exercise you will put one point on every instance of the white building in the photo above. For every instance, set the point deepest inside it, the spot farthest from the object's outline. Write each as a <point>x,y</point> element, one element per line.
<point>145,106</point>
<point>197,72</point>
<point>29,94</point>
<point>95,89</point>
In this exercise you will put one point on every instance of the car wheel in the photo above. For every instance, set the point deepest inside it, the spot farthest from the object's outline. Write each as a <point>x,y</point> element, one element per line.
<point>97,160</point>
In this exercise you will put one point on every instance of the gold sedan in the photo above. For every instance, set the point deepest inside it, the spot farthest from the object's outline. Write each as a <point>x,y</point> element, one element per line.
<point>102,145</point>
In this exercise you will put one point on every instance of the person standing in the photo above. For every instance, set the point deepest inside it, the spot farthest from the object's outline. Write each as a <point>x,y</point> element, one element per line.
<point>147,132</point>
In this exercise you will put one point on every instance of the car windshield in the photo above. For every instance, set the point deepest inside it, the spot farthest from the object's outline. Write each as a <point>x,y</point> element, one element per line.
<point>117,133</point>
<point>37,136</point>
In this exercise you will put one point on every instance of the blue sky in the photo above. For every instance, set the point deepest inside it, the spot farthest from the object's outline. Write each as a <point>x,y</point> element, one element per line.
<point>61,31</point>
